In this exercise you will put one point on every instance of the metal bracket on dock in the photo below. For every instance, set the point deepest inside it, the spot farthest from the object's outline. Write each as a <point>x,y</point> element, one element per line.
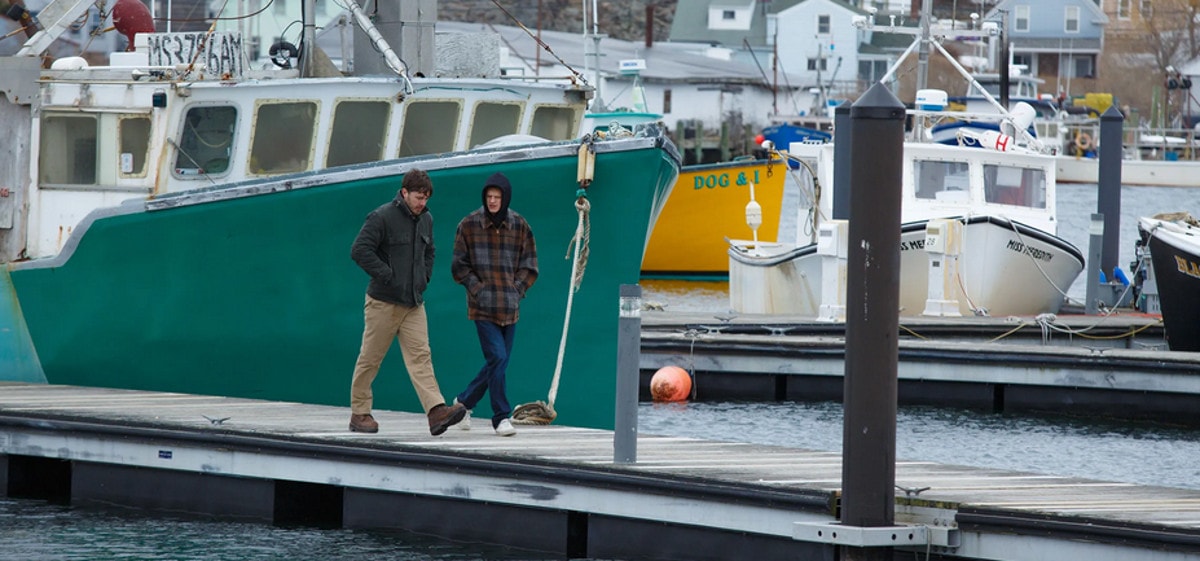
<point>876,536</point>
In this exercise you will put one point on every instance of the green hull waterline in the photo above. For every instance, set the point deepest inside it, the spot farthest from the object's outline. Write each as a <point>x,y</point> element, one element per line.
<point>257,296</point>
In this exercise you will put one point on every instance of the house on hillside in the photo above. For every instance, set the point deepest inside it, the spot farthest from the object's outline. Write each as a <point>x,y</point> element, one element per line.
<point>812,41</point>
<point>1059,41</point>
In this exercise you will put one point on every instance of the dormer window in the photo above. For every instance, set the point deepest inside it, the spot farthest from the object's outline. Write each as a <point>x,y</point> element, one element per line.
<point>1021,18</point>
<point>728,15</point>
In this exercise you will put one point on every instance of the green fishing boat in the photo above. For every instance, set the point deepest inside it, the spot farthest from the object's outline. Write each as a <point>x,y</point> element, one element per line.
<point>162,240</point>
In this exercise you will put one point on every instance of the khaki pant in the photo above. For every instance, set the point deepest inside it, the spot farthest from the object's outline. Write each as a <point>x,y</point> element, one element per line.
<point>382,321</point>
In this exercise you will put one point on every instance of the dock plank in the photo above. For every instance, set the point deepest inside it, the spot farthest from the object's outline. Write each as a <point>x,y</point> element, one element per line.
<point>751,467</point>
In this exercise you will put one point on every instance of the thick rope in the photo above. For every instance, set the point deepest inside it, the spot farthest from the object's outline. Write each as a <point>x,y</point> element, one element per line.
<point>582,236</point>
<point>542,413</point>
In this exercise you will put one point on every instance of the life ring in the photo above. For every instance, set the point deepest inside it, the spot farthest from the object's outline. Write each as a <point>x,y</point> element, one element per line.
<point>1083,142</point>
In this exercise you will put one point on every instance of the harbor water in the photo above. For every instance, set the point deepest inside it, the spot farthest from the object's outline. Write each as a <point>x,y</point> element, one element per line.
<point>1094,448</point>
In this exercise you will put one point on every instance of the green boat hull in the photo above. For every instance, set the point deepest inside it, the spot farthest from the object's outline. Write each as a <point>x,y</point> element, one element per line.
<point>248,290</point>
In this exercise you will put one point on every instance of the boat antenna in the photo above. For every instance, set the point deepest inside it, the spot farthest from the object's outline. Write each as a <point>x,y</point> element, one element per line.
<point>574,73</point>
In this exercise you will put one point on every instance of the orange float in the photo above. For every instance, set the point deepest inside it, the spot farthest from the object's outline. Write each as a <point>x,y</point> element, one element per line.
<point>670,383</point>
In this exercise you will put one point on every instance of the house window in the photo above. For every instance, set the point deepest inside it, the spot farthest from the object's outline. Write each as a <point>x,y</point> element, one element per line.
<point>1146,9</point>
<point>1083,66</point>
<point>728,15</point>
<point>1021,18</point>
<point>1072,19</point>
<point>823,24</point>
<point>815,63</point>
<point>666,101</point>
<point>1123,7</point>
<point>870,71</point>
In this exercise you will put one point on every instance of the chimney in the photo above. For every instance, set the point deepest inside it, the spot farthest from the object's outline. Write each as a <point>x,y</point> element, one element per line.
<point>649,25</point>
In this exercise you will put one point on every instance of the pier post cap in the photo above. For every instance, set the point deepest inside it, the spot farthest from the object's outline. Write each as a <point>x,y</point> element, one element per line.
<point>878,103</point>
<point>1112,114</point>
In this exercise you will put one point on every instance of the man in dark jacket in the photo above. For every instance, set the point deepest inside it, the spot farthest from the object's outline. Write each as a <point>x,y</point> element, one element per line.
<point>395,247</point>
<point>496,260</point>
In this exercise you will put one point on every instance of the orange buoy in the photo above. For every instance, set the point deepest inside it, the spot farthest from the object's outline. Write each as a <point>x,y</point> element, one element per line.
<point>670,383</point>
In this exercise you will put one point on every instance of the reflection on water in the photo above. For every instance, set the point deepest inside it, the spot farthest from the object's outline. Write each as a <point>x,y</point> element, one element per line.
<point>1093,448</point>
<point>35,530</point>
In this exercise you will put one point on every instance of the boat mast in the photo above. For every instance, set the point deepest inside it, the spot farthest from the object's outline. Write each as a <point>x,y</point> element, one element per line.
<point>923,46</point>
<point>592,59</point>
<point>309,40</point>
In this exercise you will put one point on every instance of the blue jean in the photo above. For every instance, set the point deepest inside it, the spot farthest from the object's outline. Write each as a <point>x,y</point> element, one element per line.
<point>496,342</point>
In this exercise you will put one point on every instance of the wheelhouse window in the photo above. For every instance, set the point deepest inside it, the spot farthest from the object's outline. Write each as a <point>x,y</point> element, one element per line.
<point>359,132</point>
<point>554,122</point>
<point>493,120</point>
<point>67,151</point>
<point>1016,186</point>
<point>134,138</point>
<point>942,181</point>
<point>429,127</point>
<point>206,141</point>
<point>283,137</point>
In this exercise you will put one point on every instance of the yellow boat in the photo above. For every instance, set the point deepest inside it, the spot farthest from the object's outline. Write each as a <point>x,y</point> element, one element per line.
<point>708,205</point>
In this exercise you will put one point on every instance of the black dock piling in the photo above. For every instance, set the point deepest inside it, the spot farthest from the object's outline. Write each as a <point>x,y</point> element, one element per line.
<point>872,316</point>
<point>841,161</point>
<point>1108,200</point>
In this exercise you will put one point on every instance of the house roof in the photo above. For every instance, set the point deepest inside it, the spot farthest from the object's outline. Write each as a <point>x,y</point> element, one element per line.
<point>690,23</point>
<point>665,61</point>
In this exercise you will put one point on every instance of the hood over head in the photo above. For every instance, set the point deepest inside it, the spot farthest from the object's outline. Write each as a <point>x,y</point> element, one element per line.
<point>497,180</point>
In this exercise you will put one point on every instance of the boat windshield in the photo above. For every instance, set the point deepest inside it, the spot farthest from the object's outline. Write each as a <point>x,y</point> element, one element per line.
<point>1011,185</point>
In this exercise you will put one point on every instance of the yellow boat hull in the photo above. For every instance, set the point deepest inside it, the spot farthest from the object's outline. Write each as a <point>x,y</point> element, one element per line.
<point>708,205</point>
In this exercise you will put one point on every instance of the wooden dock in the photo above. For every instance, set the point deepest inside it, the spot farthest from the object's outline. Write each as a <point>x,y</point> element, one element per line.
<point>1117,366</point>
<point>551,489</point>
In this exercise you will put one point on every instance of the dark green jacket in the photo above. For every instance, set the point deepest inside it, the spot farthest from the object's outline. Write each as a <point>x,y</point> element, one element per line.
<point>395,247</point>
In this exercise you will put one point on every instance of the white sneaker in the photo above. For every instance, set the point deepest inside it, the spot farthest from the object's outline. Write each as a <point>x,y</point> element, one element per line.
<point>465,424</point>
<point>505,428</point>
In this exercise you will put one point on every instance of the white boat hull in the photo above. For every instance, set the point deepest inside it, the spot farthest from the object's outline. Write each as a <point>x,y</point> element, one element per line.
<point>1133,172</point>
<point>1001,271</point>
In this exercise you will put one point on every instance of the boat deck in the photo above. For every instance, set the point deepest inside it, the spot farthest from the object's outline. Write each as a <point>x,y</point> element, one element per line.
<point>550,488</point>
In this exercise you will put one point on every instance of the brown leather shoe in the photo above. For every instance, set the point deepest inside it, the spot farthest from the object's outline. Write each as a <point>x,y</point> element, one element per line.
<point>363,423</point>
<point>442,417</point>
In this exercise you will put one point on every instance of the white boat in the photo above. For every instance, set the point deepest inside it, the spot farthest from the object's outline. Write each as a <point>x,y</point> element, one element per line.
<point>1162,158</point>
<point>1174,244</point>
<point>978,235</point>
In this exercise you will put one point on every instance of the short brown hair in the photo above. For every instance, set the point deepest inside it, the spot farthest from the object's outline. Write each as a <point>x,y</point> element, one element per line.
<point>417,181</point>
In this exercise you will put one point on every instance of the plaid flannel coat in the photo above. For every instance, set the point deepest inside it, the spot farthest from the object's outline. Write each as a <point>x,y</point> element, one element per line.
<point>496,264</point>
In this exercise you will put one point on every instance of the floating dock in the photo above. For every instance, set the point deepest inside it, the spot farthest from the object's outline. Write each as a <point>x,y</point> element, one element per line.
<point>1116,366</point>
<point>551,489</point>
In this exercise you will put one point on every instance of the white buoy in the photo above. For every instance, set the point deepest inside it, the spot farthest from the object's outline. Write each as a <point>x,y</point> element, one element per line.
<point>753,215</point>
